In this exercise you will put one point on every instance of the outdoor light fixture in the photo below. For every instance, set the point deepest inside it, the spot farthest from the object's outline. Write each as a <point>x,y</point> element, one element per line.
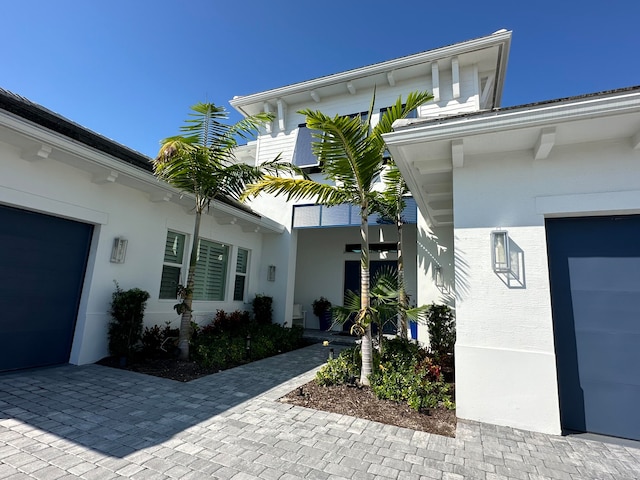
<point>119,250</point>
<point>439,277</point>
<point>271,273</point>
<point>500,257</point>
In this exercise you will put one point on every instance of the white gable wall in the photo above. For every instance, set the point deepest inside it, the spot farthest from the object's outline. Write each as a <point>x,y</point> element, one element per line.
<point>53,187</point>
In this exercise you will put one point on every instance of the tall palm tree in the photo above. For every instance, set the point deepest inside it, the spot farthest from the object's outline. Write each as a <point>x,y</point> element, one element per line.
<point>350,153</point>
<point>200,161</point>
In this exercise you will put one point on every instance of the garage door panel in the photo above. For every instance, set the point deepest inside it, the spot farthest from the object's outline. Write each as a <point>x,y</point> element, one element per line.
<point>594,269</point>
<point>42,268</point>
<point>601,414</point>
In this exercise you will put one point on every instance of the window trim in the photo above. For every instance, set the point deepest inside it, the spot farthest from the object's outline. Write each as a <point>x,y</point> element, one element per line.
<point>244,274</point>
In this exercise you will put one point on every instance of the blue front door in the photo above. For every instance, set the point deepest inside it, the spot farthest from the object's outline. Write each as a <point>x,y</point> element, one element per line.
<point>42,266</point>
<point>594,269</point>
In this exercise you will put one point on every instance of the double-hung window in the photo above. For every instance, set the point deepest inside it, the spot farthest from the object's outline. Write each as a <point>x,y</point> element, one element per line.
<point>242,264</point>
<point>172,266</point>
<point>211,271</point>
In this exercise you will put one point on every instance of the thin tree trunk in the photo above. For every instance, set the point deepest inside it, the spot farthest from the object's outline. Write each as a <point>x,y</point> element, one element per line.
<point>402,294</point>
<point>367,346</point>
<point>185,320</point>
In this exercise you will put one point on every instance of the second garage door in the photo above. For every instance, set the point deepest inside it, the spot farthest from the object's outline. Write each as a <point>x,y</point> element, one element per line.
<point>594,268</point>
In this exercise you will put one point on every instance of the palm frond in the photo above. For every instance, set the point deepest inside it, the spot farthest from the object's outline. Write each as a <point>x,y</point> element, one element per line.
<point>297,189</point>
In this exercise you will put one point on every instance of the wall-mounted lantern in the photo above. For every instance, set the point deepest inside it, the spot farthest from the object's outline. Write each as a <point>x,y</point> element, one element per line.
<point>119,250</point>
<point>439,277</point>
<point>271,273</point>
<point>500,257</point>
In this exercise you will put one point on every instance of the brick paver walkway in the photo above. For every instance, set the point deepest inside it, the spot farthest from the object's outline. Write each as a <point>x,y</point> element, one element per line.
<point>94,422</point>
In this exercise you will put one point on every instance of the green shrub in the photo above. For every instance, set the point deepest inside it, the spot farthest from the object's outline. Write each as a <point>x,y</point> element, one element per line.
<point>408,374</point>
<point>154,340</point>
<point>127,312</point>
<point>341,370</point>
<point>442,330</point>
<point>214,348</point>
<point>262,309</point>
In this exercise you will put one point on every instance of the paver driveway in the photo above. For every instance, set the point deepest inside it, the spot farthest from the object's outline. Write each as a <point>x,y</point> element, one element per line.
<point>94,422</point>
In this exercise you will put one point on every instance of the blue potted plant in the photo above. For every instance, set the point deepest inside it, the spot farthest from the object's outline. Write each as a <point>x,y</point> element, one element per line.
<point>322,310</point>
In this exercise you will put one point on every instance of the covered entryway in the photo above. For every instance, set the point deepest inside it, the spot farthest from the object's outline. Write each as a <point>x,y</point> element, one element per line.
<point>42,266</point>
<point>594,268</point>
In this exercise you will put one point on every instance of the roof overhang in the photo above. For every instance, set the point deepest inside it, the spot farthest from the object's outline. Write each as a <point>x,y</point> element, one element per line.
<point>490,52</point>
<point>428,152</point>
<point>37,143</point>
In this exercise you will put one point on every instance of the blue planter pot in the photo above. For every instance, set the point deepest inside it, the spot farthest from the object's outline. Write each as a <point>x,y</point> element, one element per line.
<point>325,320</point>
<point>413,326</point>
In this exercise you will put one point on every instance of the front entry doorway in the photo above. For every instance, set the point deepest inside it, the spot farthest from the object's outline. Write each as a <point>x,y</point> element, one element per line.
<point>352,282</point>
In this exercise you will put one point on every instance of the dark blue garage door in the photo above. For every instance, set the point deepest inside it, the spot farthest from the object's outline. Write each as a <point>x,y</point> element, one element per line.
<point>42,266</point>
<point>594,268</point>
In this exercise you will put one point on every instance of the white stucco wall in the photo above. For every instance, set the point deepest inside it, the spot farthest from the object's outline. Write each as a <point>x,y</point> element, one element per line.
<point>56,188</point>
<point>321,257</point>
<point>505,359</point>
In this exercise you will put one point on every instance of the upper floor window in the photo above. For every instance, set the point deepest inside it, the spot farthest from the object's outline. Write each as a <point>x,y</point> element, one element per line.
<point>173,264</point>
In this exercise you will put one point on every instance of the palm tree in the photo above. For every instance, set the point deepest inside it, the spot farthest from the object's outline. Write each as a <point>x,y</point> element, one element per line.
<point>350,153</point>
<point>200,161</point>
<point>391,205</point>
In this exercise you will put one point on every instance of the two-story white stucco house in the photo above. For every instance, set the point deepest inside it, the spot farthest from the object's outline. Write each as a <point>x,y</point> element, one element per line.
<point>527,216</point>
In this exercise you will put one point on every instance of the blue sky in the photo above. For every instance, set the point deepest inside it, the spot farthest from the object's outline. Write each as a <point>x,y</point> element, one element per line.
<point>130,69</point>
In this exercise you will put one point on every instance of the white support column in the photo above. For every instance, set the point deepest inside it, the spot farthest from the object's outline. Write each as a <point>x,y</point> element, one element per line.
<point>435,81</point>
<point>455,77</point>
<point>281,111</point>
<point>267,109</point>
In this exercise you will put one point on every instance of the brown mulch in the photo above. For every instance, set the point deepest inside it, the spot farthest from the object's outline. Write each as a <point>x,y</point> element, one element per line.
<point>362,403</point>
<point>170,368</point>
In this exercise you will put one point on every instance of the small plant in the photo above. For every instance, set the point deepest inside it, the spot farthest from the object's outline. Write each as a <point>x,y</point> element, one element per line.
<point>127,312</point>
<point>262,309</point>
<point>155,340</point>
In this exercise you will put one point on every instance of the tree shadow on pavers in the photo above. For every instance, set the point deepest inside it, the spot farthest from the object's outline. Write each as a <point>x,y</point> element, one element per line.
<point>118,412</point>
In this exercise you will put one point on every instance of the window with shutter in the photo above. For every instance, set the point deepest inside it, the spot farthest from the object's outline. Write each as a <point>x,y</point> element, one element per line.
<point>173,264</point>
<point>211,271</point>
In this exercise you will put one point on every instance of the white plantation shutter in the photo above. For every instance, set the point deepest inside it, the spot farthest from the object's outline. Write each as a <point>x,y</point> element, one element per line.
<point>211,271</point>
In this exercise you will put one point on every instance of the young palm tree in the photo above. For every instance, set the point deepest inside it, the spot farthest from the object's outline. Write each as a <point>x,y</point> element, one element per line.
<point>200,161</point>
<point>391,205</point>
<point>350,153</point>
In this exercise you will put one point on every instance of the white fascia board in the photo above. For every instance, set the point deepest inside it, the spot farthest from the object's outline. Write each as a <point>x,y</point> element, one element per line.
<point>527,116</point>
<point>144,181</point>
<point>498,38</point>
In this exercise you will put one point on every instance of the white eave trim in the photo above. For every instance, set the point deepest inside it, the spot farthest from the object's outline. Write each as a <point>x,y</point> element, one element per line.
<point>103,161</point>
<point>552,113</point>
<point>498,38</point>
